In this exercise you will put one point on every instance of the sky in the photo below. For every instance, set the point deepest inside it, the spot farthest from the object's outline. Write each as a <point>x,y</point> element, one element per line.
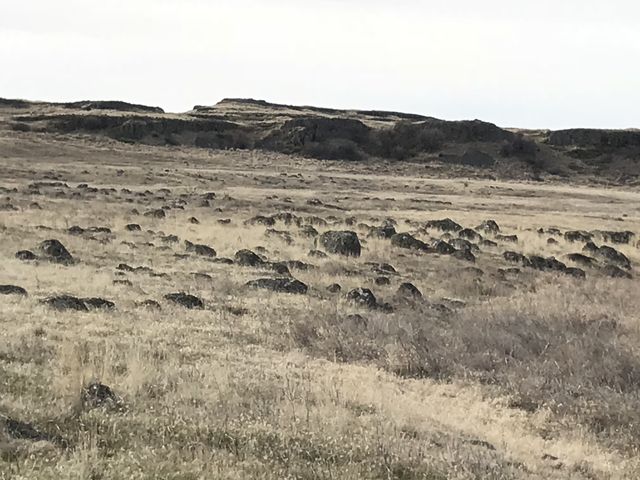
<point>516,63</point>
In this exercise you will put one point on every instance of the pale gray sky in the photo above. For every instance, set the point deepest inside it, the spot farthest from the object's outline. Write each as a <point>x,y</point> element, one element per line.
<point>526,63</point>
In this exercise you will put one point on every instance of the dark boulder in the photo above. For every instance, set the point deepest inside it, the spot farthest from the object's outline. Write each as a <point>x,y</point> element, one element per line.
<point>380,281</point>
<point>280,285</point>
<point>194,221</point>
<point>443,248</point>
<point>66,302</point>
<point>581,259</point>
<point>133,227</point>
<point>577,236</point>
<point>488,226</point>
<point>334,288</point>
<point>247,258</point>
<point>26,255</point>
<point>26,431</point>
<point>469,234</point>
<point>575,272</point>
<point>280,268</point>
<point>12,290</point>
<point>363,297</point>
<point>186,300</point>
<point>385,231</point>
<point>198,249</point>
<point>96,303</point>
<point>462,244</point>
<point>590,247</point>
<point>507,238</point>
<point>465,255</point>
<point>615,272</point>
<point>446,225</point>
<point>546,264</point>
<point>341,243</point>
<point>515,257</point>
<point>408,290</point>
<point>97,395</point>
<point>406,240</point>
<point>613,256</point>
<point>55,251</point>
<point>624,237</point>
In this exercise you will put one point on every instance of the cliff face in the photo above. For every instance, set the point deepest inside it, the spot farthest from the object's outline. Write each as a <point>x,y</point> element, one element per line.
<point>332,134</point>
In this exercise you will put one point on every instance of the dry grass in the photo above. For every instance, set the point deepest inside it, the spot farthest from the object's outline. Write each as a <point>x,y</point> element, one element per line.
<point>528,376</point>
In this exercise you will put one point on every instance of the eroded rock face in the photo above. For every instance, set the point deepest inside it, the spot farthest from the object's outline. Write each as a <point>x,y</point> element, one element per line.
<point>341,243</point>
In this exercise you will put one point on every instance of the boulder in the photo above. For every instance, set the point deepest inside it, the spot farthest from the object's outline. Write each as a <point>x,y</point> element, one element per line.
<point>363,297</point>
<point>489,226</point>
<point>26,255</point>
<point>408,290</point>
<point>470,234</point>
<point>465,255</point>
<point>385,231</point>
<point>341,242</point>
<point>446,225</point>
<point>443,248</point>
<point>408,241</point>
<point>12,290</point>
<point>198,249</point>
<point>56,252</point>
<point>615,272</point>
<point>186,300</point>
<point>280,285</point>
<point>515,257</point>
<point>247,258</point>
<point>577,236</point>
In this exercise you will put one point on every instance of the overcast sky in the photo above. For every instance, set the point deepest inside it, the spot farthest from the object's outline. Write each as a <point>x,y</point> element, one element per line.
<point>524,63</point>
